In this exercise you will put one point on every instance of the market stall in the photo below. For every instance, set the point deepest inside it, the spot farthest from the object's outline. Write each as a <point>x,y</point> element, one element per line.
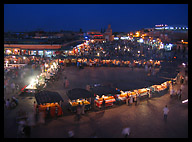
<point>158,88</point>
<point>157,63</point>
<point>49,103</point>
<point>161,89</point>
<point>109,100</point>
<point>142,92</point>
<point>104,92</point>
<point>79,96</point>
<point>124,95</point>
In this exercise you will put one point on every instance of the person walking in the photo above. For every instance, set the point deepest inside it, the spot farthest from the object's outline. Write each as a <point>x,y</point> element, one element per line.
<point>13,87</point>
<point>7,104</point>
<point>34,107</point>
<point>83,108</point>
<point>31,119</point>
<point>16,73</point>
<point>17,87</point>
<point>135,100</point>
<point>182,87</point>
<point>41,119</point>
<point>66,83</point>
<point>186,79</point>
<point>48,114</point>
<point>127,100</point>
<point>171,92</point>
<point>14,100</point>
<point>179,94</point>
<point>153,71</point>
<point>56,111</point>
<point>181,79</point>
<point>78,111</point>
<point>70,134</point>
<point>103,104</point>
<point>131,100</point>
<point>146,68</point>
<point>36,114</point>
<point>27,131</point>
<point>165,111</point>
<point>5,85</point>
<point>126,132</point>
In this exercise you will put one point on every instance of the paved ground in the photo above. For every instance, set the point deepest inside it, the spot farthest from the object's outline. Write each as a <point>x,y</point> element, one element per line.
<point>145,119</point>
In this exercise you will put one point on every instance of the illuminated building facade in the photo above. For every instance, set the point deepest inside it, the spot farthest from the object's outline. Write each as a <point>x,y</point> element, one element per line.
<point>30,49</point>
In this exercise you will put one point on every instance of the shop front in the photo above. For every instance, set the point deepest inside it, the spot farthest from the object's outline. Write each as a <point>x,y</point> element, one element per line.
<point>12,51</point>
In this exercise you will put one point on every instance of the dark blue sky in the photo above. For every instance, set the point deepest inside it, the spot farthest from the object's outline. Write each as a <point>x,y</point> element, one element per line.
<point>122,17</point>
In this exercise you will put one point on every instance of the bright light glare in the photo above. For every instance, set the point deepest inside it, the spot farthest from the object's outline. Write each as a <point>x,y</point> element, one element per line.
<point>32,81</point>
<point>185,101</point>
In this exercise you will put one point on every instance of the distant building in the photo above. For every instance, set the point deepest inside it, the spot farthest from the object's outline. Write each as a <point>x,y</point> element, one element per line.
<point>108,34</point>
<point>31,49</point>
<point>164,37</point>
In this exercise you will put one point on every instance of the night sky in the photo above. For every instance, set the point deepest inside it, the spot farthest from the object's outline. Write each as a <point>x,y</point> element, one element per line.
<point>72,17</point>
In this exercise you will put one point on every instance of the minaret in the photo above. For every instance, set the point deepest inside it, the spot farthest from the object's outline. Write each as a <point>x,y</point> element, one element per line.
<point>108,33</point>
<point>109,30</point>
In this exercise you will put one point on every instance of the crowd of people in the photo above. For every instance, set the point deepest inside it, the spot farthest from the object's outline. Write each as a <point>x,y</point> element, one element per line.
<point>180,80</point>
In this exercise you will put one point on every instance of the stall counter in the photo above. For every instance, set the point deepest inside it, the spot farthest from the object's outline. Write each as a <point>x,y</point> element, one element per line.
<point>108,101</point>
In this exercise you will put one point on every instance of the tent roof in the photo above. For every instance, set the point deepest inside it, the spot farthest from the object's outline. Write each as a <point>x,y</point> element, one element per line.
<point>77,93</point>
<point>47,97</point>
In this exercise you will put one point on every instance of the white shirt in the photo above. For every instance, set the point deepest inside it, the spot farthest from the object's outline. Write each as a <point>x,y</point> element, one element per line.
<point>12,85</point>
<point>7,103</point>
<point>182,87</point>
<point>165,110</point>
<point>126,131</point>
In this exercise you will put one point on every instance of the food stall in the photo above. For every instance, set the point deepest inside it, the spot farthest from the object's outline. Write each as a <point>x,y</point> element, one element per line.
<point>79,95</point>
<point>126,63</point>
<point>142,92</point>
<point>106,62</point>
<point>104,92</point>
<point>157,63</point>
<point>73,61</point>
<point>123,96</point>
<point>161,89</point>
<point>51,100</point>
<point>109,100</point>
<point>158,88</point>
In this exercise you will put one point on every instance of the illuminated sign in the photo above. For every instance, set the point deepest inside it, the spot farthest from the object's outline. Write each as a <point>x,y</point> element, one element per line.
<point>116,38</point>
<point>161,25</point>
<point>168,47</point>
<point>124,37</point>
